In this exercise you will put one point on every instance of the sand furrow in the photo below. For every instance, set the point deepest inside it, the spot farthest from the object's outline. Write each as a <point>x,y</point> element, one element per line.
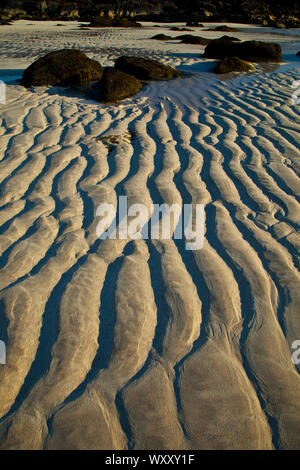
<point>260,348</point>
<point>23,307</point>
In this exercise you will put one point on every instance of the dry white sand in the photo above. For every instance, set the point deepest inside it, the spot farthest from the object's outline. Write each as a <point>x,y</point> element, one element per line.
<point>141,344</point>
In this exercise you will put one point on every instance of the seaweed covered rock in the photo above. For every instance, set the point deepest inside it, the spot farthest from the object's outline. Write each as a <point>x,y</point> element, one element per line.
<point>146,69</point>
<point>233,64</point>
<point>62,68</point>
<point>115,86</point>
<point>253,51</point>
<point>161,37</point>
<point>190,39</point>
<point>219,48</point>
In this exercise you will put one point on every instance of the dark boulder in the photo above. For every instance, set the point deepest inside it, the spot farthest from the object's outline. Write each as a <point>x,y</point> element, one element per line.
<point>254,51</point>
<point>115,86</point>
<point>62,68</point>
<point>161,37</point>
<point>219,48</point>
<point>298,54</point>
<point>146,69</point>
<point>233,64</point>
<point>190,39</point>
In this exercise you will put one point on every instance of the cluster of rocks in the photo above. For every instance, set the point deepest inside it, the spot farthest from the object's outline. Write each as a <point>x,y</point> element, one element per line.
<point>184,38</point>
<point>70,67</point>
<point>236,56</point>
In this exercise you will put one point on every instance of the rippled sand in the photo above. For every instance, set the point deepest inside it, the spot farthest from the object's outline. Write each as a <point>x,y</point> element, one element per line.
<point>121,344</point>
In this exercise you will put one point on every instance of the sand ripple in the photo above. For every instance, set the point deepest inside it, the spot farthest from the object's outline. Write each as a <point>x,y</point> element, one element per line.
<point>141,344</point>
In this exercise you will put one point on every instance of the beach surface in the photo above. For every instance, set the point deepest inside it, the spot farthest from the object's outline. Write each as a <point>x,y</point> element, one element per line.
<point>143,344</point>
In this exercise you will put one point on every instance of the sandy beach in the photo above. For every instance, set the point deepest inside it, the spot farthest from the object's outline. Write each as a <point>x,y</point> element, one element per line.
<point>142,344</point>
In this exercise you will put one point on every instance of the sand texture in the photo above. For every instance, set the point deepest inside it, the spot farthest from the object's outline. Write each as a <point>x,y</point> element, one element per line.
<point>142,344</point>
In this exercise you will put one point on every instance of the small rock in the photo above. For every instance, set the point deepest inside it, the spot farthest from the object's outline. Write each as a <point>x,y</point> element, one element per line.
<point>161,37</point>
<point>115,86</point>
<point>233,64</point>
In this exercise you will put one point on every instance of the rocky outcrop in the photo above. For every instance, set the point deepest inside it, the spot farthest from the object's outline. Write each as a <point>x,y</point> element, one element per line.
<point>62,68</point>
<point>275,13</point>
<point>115,86</point>
<point>107,21</point>
<point>253,51</point>
<point>146,69</point>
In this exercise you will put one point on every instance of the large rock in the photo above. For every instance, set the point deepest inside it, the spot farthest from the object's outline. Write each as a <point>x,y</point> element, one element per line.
<point>146,69</point>
<point>62,68</point>
<point>190,39</point>
<point>115,86</point>
<point>298,54</point>
<point>254,51</point>
<point>233,64</point>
